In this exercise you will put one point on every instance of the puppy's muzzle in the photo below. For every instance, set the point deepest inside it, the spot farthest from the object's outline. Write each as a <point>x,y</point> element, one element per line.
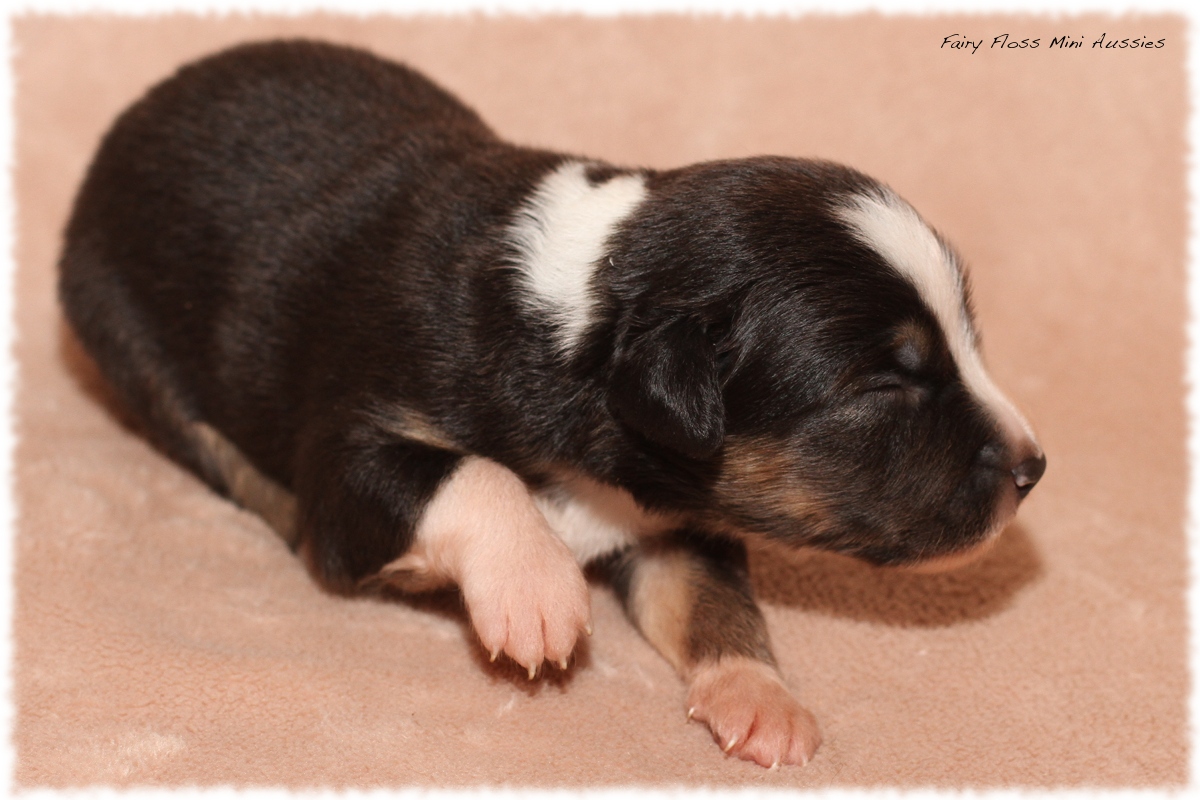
<point>1030,466</point>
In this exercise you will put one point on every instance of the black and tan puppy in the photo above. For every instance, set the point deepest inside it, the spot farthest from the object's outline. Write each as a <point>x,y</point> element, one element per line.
<point>426,356</point>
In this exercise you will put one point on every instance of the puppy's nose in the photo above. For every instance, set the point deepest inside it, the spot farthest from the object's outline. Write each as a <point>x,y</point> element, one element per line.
<point>1028,473</point>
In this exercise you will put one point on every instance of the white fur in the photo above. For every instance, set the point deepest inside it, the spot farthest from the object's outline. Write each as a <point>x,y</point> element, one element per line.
<point>893,229</point>
<point>560,234</point>
<point>522,587</point>
<point>594,520</point>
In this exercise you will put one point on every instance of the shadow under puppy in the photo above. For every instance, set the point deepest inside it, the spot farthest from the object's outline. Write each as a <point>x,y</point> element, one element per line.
<point>427,356</point>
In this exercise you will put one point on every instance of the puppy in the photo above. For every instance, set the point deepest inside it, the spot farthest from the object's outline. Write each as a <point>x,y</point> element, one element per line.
<point>430,357</point>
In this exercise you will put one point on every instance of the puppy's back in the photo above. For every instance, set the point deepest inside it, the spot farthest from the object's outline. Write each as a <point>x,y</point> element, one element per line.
<point>194,239</point>
<point>258,131</point>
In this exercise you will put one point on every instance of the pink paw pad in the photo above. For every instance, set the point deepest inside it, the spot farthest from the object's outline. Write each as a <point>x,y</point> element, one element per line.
<point>752,714</point>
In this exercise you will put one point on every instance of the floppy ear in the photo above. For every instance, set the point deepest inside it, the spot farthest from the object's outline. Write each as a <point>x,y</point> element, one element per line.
<point>665,385</point>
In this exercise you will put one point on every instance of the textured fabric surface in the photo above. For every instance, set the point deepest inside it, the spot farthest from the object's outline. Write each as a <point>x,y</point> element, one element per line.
<point>162,636</point>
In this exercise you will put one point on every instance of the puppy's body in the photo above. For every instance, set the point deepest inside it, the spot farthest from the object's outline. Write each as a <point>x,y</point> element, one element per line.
<point>428,356</point>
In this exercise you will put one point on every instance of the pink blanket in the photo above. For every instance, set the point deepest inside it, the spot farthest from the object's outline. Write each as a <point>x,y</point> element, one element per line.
<point>162,636</point>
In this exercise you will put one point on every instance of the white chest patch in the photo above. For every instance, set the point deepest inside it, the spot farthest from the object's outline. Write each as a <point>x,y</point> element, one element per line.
<point>560,234</point>
<point>594,520</point>
<point>892,228</point>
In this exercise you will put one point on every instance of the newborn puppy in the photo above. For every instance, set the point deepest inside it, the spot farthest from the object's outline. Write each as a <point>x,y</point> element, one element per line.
<point>427,356</point>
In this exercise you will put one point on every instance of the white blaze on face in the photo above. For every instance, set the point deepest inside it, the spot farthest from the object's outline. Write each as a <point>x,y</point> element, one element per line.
<point>892,228</point>
<point>560,234</point>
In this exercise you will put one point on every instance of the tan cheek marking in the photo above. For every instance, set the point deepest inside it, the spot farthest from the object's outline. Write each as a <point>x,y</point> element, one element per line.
<point>250,488</point>
<point>758,476</point>
<point>661,598</point>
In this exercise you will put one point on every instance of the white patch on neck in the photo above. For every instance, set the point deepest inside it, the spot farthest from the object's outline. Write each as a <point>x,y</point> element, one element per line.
<point>560,233</point>
<point>593,519</point>
<point>892,228</point>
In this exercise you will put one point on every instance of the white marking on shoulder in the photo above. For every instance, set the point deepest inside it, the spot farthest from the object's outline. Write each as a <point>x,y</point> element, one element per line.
<point>893,228</point>
<point>560,234</point>
<point>593,519</point>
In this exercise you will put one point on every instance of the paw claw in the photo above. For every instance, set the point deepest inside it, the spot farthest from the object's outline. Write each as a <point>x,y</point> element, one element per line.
<point>747,701</point>
<point>531,613</point>
<point>522,586</point>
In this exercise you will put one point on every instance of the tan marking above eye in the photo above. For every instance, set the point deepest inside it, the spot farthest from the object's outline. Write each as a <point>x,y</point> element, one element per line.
<point>912,345</point>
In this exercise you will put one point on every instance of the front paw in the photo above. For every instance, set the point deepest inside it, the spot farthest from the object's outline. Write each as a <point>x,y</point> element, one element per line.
<point>530,602</point>
<point>524,591</point>
<point>752,714</point>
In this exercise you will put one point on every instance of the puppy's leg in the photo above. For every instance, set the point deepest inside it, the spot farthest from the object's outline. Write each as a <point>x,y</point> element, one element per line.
<point>523,588</point>
<point>372,507</point>
<point>359,496</point>
<point>691,599</point>
<point>113,330</point>
<point>246,484</point>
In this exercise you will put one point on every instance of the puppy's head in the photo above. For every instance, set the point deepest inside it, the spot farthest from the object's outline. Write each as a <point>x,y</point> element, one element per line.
<point>798,330</point>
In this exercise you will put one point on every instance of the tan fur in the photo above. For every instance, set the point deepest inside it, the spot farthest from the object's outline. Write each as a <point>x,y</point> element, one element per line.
<point>412,573</point>
<point>661,596</point>
<point>249,488</point>
<point>757,475</point>
<point>910,334</point>
<point>414,427</point>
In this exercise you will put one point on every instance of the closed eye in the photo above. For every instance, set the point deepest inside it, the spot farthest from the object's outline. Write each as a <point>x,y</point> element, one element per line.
<point>896,387</point>
<point>886,383</point>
